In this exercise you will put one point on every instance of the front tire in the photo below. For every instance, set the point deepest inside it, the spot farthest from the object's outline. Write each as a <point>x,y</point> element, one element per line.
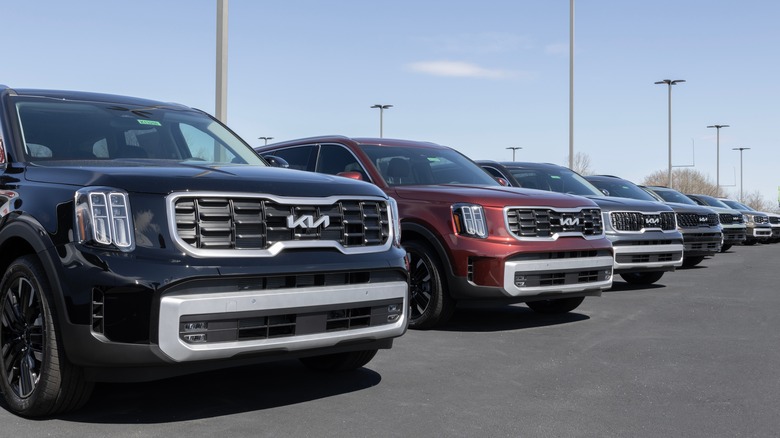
<point>339,361</point>
<point>430,303</point>
<point>558,305</point>
<point>37,380</point>
<point>725,248</point>
<point>642,277</point>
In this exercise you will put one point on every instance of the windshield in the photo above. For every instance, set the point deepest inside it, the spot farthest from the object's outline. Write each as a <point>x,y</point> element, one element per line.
<point>404,166</point>
<point>56,130</point>
<point>670,195</point>
<point>622,189</point>
<point>554,179</point>
<point>735,205</point>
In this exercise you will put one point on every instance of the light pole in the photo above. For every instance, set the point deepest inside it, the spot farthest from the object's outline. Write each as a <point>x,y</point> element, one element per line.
<point>571,84</point>
<point>265,139</point>
<point>670,82</point>
<point>740,170</point>
<point>717,156</point>
<point>514,148</point>
<point>382,108</point>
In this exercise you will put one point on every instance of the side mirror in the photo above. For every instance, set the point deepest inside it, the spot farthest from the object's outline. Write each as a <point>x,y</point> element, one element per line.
<point>605,191</point>
<point>352,175</point>
<point>502,181</point>
<point>275,161</point>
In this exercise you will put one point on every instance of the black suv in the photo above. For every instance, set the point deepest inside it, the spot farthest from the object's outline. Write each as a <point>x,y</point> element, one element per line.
<point>141,239</point>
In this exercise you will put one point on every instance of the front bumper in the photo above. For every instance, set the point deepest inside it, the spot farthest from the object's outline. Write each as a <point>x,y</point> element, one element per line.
<point>206,326</point>
<point>702,243</point>
<point>532,278</point>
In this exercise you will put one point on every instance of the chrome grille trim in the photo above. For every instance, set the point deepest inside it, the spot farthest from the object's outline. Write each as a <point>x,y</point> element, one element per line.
<point>546,223</point>
<point>637,222</point>
<point>235,224</point>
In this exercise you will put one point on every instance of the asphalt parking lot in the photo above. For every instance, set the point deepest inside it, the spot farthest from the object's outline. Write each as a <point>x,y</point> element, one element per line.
<point>694,356</point>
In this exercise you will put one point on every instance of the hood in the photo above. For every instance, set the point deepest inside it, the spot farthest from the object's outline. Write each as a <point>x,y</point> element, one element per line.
<point>626,204</point>
<point>686,208</point>
<point>167,177</point>
<point>492,196</point>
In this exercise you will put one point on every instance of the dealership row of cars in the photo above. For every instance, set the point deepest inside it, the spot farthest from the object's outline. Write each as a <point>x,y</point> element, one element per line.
<point>476,239</point>
<point>143,239</point>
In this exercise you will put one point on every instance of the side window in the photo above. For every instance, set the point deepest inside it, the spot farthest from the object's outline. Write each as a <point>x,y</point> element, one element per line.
<point>297,157</point>
<point>335,159</point>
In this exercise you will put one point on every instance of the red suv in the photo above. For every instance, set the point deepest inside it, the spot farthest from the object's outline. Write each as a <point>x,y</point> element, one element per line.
<point>468,237</point>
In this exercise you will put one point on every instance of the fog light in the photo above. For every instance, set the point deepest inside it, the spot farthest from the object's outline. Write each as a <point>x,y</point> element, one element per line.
<point>195,326</point>
<point>520,280</point>
<point>607,274</point>
<point>197,338</point>
<point>393,318</point>
<point>394,308</point>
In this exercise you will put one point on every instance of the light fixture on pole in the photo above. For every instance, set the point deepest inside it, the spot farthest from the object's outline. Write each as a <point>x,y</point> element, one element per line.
<point>740,170</point>
<point>514,148</point>
<point>670,82</point>
<point>382,108</point>
<point>265,139</point>
<point>717,156</point>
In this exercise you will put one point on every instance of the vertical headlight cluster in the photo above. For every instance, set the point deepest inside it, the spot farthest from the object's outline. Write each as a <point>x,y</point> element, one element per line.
<point>470,220</point>
<point>394,216</point>
<point>103,218</point>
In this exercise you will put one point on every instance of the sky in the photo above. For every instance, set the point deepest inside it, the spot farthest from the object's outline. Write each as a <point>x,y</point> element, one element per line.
<point>478,76</point>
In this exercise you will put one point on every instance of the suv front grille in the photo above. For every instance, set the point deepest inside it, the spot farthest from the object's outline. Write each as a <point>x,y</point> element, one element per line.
<point>241,223</point>
<point>774,220</point>
<point>547,222</point>
<point>636,221</point>
<point>729,219</point>
<point>690,220</point>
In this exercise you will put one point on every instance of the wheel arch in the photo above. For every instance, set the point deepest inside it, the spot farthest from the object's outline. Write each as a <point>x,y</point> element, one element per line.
<point>25,236</point>
<point>415,231</point>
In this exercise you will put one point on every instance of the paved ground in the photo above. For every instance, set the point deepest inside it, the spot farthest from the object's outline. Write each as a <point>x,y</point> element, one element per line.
<point>695,356</point>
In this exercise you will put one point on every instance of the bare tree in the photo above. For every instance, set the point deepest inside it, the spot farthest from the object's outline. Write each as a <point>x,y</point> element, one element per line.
<point>757,202</point>
<point>683,180</point>
<point>581,164</point>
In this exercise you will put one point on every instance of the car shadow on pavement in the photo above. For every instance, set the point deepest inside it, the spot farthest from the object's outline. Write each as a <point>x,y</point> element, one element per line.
<point>502,318</point>
<point>217,393</point>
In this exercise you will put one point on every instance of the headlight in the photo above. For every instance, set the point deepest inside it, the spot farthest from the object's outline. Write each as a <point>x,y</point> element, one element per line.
<point>394,216</point>
<point>103,218</point>
<point>470,220</point>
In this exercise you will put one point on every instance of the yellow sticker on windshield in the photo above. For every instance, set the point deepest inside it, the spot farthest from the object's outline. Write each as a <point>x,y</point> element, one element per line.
<point>149,122</point>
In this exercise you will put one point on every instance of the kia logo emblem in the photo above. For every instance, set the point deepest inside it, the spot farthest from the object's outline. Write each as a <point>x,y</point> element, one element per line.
<point>307,221</point>
<point>570,221</point>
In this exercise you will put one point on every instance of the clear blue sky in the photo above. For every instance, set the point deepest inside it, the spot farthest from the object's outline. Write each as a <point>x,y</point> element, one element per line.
<point>479,76</point>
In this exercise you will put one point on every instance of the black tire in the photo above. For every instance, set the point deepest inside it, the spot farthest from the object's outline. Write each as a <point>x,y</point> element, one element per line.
<point>37,380</point>
<point>339,361</point>
<point>724,248</point>
<point>642,277</point>
<point>692,261</point>
<point>430,304</point>
<point>558,305</point>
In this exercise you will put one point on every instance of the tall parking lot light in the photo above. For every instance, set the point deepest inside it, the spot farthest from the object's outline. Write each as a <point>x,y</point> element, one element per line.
<point>741,198</point>
<point>670,82</point>
<point>382,108</point>
<point>514,148</point>
<point>717,156</point>
<point>265,139</point>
